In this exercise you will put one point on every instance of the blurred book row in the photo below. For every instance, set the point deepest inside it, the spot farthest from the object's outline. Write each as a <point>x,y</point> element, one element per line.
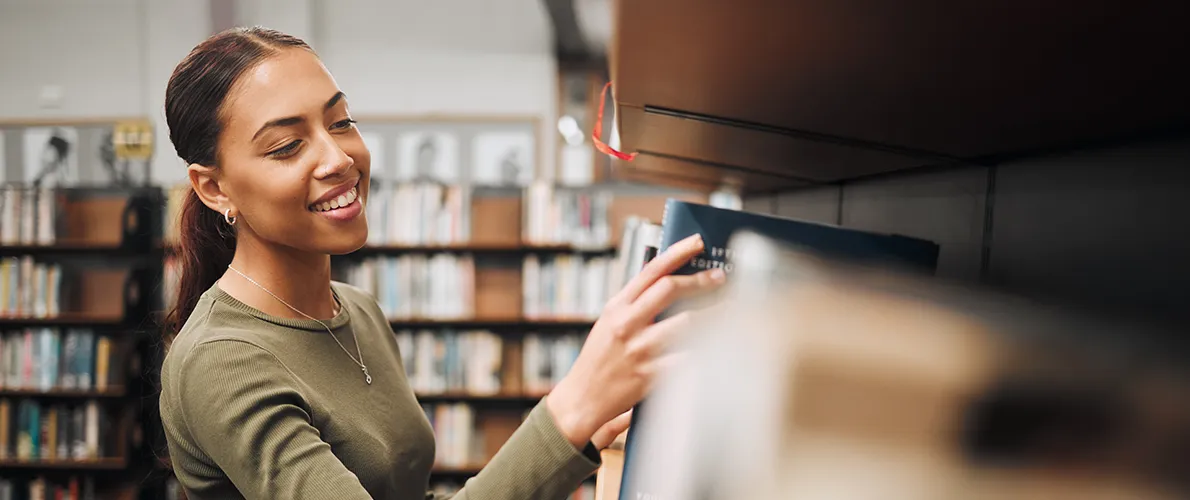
<point>439,286</point>
<point>29,289</point>
<point>565,286</point>
<point>31,430</point>
<point>479,363</point>
<point>418,214</point>
<point>28,215</point>
<point>40,488</point>
<point>46,359</point>
<point>555,216</point>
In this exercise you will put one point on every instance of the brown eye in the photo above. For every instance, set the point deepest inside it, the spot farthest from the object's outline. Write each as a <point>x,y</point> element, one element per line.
<point>342,124</point>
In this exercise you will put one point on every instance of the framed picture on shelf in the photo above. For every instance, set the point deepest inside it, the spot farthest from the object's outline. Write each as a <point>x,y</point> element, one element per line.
<point>425,155</point>
<point>51,156</point>
<point>503,158</point>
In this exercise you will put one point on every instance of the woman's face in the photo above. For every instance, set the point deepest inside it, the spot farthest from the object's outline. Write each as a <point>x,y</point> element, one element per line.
<point>291,160</point>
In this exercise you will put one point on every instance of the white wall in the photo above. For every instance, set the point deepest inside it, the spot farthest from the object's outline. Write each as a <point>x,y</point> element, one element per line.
<point>114,57</point>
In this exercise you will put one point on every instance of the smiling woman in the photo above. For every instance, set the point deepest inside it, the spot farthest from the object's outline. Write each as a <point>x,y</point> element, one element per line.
<point>278,382</point>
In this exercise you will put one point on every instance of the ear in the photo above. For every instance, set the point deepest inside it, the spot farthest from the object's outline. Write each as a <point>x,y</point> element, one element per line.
<point>205,181</point>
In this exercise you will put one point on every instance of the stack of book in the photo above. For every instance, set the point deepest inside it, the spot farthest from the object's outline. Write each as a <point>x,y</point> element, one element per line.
<point>554,216</point>
<point>28,216</point>
<point>46,359</point>
<point>438,286</point>
<point>74,488</point>
<point>418,213</point>
<point>458,443</point>
<point>29,289</point>
<point>565,286</point>
<point>32,430</point>
<point>548,358</point>
<point>446,361</point>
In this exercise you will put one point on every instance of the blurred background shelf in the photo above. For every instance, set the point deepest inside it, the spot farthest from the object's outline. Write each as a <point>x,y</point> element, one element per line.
<point>98,464</point>
<point>111,393</point>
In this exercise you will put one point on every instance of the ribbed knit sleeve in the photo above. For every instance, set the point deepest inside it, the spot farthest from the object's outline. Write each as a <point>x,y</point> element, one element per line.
<point>245,412</point>
<point>537,463</point>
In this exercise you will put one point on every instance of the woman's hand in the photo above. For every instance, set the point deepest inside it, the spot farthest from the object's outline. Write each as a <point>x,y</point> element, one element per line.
<point>623,352</point>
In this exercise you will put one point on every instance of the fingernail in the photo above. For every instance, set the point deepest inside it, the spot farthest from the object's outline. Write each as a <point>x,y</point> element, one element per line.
<point>717,274</point>
<point>697,239</point>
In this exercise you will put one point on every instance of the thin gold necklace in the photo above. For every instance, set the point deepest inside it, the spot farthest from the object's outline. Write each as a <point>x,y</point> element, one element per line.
<point>360,361</point>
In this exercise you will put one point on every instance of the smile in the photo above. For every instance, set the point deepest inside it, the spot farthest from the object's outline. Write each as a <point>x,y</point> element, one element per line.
<point>343,201</point>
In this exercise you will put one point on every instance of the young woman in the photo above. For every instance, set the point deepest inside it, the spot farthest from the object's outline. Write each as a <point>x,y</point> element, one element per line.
<point>280,383</point>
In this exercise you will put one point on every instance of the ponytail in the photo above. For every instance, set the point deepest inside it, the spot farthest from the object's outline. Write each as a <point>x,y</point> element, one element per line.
<point>194,99</point>
<point>205,248</point>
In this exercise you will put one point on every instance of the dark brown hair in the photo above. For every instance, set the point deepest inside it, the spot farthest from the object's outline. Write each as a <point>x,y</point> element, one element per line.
<point>194,112</point>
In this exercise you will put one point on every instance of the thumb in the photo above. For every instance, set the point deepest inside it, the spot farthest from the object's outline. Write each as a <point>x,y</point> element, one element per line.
<point>611,430</point>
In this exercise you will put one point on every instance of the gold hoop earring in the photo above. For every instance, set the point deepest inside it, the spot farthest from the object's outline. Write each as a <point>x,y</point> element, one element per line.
<point>231,220</point>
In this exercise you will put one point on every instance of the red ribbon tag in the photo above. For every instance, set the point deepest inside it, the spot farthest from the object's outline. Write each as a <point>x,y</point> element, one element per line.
<point>597,134</point>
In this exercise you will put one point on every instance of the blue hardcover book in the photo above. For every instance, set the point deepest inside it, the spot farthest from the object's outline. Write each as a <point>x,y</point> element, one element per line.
<point>717,225</point>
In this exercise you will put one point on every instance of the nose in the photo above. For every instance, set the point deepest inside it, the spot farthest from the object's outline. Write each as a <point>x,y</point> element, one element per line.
<point>333,161</point>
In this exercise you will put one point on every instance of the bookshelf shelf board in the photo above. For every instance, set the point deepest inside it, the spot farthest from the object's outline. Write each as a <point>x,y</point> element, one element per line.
<point>494,323</point>
<point>479,398</point>
<point>65,320</point>
<point>117,392</point>
<point>74,248</point>
<point>90,464</point>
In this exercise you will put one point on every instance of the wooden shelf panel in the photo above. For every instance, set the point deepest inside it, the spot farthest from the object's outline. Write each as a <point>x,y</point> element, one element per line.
<point>114,463</point>
<point>76,248</point>
<point>65,320</point>
<point>479,398</point>
<point>115,392</point>
<point>495,323</point>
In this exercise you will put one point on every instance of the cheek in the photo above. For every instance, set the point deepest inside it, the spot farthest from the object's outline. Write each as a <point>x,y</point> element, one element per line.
<point>360,156</point>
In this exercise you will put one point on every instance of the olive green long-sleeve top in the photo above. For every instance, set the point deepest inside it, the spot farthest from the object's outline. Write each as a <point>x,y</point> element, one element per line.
<point>257,406</point>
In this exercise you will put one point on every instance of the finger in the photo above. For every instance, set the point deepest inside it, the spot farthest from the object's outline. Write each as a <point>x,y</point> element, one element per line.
<point>654,340</point>
<point>668,289</point>
<point>612,430</point>
<point>665,263</point>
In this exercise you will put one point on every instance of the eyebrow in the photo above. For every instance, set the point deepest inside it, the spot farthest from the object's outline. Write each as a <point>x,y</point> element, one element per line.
<point>294,120</point>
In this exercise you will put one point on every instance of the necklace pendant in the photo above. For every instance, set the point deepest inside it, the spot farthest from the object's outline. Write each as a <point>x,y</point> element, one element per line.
<point>367,377</point>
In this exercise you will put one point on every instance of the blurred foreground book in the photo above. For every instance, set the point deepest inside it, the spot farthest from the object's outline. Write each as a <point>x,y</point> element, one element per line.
<point>818,380</point>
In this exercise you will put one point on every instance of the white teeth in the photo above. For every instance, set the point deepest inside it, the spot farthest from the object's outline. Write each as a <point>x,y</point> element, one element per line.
<point>342,201</point>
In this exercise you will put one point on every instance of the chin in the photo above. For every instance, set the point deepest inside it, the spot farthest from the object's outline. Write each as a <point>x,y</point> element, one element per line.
<point>346,240</point>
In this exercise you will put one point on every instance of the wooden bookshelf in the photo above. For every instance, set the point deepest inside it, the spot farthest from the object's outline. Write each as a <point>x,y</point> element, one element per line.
<point>89,464</point>
<point>63,320</point>
<point>73,248</point>
<point>112,393</point>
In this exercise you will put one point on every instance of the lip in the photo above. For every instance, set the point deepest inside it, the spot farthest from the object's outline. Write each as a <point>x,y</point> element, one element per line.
<point>334,193</point>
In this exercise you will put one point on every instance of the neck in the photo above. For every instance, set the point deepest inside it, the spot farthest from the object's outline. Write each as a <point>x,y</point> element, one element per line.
<point>299,278</point>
